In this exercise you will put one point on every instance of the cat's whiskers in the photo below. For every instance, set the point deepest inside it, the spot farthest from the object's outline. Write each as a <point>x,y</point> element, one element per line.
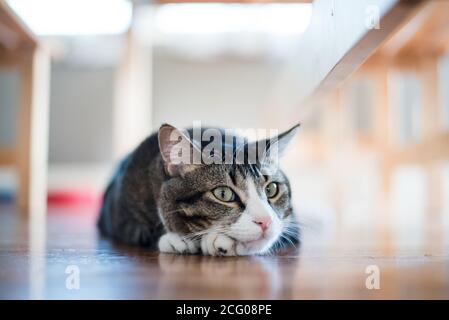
<point>288,240</point>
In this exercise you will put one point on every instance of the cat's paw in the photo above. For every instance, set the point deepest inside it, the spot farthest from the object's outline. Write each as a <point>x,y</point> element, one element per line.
<point>174,243</point>
<point>220,245</point>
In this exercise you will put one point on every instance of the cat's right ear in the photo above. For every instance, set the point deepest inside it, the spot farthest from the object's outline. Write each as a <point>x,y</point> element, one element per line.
<point>179,152</point>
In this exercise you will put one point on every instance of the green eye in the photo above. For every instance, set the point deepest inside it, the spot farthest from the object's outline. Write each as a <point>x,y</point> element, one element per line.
<point>224,194</point>
<point>271,190</point>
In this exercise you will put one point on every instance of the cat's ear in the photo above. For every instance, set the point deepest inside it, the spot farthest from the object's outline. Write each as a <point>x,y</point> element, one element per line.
<point>269,151</point>
<point>179,152</point>
<point>282,141</point>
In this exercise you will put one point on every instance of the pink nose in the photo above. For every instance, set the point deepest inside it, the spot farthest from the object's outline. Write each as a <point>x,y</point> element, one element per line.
<point>264,223</point>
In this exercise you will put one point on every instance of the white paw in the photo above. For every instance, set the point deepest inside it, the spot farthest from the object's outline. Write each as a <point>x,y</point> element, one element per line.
<point>220,245</point>
<point>174,243</point>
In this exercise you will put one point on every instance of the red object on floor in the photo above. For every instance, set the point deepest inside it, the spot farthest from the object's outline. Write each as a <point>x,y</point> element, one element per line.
<point>73,197</point>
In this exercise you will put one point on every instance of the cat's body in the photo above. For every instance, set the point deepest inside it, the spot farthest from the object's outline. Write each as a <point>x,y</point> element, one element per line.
<point>216,209</point>
<point>129,211</point>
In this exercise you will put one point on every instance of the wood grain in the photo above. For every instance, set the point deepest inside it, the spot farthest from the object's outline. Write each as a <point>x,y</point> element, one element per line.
<point>320,269</point>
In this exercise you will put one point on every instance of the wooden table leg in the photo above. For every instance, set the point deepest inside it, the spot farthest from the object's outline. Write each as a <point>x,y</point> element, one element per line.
<point>32,138</point>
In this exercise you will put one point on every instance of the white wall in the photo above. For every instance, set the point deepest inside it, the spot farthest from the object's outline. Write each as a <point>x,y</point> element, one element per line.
<point>81,119</point>
<point>231,93</point>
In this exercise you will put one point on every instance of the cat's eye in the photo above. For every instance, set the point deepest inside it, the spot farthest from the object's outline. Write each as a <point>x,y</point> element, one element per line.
<point>272,190</point>
<point>224,194</point>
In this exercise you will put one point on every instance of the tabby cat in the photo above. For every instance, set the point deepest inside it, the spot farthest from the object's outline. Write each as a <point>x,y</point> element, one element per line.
<point>221,208</point>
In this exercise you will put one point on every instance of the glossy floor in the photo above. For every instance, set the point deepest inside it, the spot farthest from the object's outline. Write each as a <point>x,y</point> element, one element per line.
<point>37,263</point>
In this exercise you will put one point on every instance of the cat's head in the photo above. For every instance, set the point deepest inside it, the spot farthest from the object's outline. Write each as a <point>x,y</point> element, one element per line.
<point>249,201</point>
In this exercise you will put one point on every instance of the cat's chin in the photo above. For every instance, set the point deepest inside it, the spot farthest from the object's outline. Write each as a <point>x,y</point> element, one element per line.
<point>260,245</point>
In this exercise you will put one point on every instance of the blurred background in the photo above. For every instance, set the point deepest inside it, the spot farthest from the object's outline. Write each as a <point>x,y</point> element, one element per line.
<point>372,150</point>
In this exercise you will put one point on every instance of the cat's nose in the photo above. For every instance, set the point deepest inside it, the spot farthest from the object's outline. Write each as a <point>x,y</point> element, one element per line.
<point>264,223</point>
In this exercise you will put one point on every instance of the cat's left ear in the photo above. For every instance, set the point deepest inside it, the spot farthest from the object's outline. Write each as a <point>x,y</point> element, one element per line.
<point>274,148</point>
<point>282,141</point>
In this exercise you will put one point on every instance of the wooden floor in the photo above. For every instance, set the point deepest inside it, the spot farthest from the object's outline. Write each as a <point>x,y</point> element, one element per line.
<point>33,264</point>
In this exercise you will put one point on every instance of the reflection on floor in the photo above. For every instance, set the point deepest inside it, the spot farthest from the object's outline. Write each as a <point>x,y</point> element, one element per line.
<point>330,264</point>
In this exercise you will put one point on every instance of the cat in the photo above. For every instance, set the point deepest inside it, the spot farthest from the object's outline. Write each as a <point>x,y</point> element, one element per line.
<point>224,208</point>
